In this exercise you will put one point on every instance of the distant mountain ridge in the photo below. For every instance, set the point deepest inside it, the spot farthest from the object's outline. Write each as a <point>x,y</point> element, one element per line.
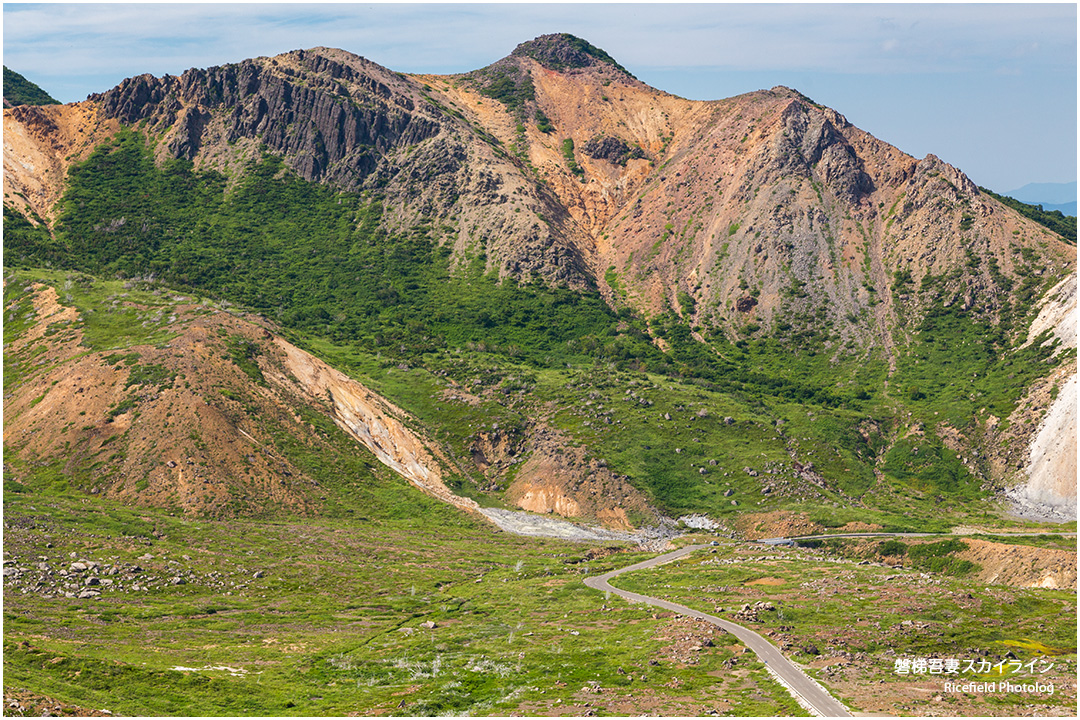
<point>1045,193</point>
<point>1060,197</point>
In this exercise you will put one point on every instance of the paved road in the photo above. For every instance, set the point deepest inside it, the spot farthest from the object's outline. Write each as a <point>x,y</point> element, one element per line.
<point>812,694</point>
<point>921,535</point>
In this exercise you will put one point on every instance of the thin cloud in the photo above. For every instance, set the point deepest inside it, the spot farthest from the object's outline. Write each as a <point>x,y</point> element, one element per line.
<point>830,38</point>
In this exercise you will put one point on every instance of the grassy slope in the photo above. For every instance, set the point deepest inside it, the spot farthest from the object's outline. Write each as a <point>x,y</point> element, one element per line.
<point>20,91</point>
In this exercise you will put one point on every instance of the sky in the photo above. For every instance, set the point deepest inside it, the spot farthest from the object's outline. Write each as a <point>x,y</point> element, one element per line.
<point>990,88</point>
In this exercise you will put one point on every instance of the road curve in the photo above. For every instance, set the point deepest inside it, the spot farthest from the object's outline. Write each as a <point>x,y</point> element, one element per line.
<point>810,693</point>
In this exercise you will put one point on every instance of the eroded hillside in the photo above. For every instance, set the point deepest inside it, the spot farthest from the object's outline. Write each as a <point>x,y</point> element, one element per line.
<point>176,404</point>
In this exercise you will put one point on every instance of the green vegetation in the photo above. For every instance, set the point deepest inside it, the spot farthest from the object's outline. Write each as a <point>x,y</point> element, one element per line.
<point>1063,225</point>
<point>310,258</point>
<point>824,606</point>
<point>961,366</point>
<point>511,89</point>
<point>244,352</point>
<point>925,464</point>
<point>20,91</point>
<point>410,608</point>
<point>26,241</point>
<point>571,163</point>
<point>543,124</point>
<point>935,557</point>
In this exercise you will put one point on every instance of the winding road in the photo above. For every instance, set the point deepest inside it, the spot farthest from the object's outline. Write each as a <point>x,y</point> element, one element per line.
<point>811,695</point>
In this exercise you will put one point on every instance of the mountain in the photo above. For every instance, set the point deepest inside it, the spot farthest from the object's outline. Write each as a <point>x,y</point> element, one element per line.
<point>550,212</point>
<point>1050,196</point>
<point>356,376</point>
<point>20,91</point>
<point>1048,193</point>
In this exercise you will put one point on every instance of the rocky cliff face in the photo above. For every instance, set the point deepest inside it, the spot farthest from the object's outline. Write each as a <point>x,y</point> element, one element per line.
<point>340,119</point>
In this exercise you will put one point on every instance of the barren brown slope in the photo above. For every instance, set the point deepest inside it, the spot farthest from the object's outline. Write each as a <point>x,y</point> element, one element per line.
<point>753,207</point>
<point>780,207</point>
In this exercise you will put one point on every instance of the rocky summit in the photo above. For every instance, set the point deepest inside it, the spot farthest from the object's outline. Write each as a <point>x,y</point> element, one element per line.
<point>305,331</point>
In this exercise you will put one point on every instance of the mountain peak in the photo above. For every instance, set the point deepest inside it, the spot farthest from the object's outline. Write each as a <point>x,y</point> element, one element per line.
<point>563,51</point>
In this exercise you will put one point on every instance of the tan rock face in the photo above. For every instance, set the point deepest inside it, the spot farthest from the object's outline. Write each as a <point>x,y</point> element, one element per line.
<point>1052,469</point>
<point>371,420</point>
<point>1045,424</point>
<point>560,479</point>
<point>40,143</point>
<point>1022,565</point>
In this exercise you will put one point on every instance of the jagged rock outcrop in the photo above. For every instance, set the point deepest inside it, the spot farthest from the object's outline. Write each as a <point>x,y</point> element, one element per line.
<point>306,112</point>
<point>612,149</point>
<point>340,119</point>
<point>563,51</point>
